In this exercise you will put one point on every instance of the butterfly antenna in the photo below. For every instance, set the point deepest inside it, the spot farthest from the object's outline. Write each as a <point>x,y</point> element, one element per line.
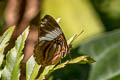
<point>78,34</point>
<point>81,32</point>
<point>74,37</point>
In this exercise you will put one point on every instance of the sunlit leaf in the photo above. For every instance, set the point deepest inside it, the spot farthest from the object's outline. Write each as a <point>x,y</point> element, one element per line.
<point>3,43</point>
<point>80,60</point>
<point>14,56</point>
<point>45,72</point>
<point>31,69</point>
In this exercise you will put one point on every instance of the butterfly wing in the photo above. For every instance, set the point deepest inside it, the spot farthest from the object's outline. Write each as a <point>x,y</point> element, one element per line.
<point>49,29</point>
<point>51,43</point>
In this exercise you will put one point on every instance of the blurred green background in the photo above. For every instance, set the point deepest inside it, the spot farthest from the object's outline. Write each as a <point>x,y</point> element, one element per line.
<point>100,20</point>
<point>76,15</point>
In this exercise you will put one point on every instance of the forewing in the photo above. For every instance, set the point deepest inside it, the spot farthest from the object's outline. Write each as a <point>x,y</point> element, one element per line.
<point>49,29</point>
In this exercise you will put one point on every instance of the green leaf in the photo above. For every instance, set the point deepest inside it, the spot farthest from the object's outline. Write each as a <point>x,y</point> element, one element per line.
<point>31,69</point>
<point>105,49</point>
<point>45,72</point>
<point>35,71</point>
<point>13,58</point>
<point>81,60</point>
<point>4,42</point>
<point>5,38</point>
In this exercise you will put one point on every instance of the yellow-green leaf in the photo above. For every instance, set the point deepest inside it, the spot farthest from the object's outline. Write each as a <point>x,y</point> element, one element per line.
<point>11,70</point>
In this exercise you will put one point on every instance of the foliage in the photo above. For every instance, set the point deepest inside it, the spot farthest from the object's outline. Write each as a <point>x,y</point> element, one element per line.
<point>105,50</point>
<point>77,15</point>
<point>3,43</point>
<point>109,12</point>
<point>14,56</point>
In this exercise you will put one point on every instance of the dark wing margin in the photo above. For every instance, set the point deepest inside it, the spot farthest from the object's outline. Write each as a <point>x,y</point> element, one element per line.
<point>49,29</point>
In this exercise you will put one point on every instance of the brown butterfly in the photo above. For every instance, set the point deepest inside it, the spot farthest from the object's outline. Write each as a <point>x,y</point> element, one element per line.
<point>52,45</point>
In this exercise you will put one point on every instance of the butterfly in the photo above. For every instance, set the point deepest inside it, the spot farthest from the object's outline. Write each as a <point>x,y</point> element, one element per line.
<point>51,45</point>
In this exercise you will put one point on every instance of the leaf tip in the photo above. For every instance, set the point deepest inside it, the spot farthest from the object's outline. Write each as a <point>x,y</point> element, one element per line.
<point>87,59</point>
